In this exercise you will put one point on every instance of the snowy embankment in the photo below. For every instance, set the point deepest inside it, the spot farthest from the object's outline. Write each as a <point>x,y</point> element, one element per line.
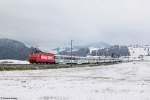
<point>146,58</point>
<point>126,81</point>
<point>9,61</point>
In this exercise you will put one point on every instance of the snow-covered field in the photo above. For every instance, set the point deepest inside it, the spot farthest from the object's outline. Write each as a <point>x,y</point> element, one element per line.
<point>126,81</point>
<point>11,61</point>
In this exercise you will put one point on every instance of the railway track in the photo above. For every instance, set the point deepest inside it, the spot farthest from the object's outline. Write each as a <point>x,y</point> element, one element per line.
<point>48,66</point>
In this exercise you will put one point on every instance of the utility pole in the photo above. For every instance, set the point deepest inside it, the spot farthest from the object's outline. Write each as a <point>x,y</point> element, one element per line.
<point>71,51</point>
<point>148,51</point>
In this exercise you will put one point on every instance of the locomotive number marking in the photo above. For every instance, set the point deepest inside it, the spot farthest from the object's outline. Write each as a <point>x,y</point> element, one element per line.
<point>47,57</point>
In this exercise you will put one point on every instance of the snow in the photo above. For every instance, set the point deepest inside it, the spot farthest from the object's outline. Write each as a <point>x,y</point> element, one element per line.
<point>10,61</point>
<point>125,81</point>
<point>93,49</point>
<point>138,51</point>
<point>146,58</point>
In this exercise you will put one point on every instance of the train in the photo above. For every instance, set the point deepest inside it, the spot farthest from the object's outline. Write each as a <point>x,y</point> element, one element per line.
<point>40,57</point>
<point>50,58</point>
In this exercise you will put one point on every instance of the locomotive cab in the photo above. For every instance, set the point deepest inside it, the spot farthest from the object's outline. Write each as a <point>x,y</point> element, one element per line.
<point>40,57</point>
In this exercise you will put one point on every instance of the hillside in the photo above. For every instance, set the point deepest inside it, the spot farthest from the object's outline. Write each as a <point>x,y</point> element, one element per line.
<point>113,51</point>
<point>12,49</point>
<point>98,50</point>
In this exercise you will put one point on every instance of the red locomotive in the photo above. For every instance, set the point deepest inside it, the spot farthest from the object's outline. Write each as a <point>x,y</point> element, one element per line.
<point>40,57</point>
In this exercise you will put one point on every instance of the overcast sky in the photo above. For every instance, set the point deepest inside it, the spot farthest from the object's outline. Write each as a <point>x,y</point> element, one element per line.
<point>50,23</point>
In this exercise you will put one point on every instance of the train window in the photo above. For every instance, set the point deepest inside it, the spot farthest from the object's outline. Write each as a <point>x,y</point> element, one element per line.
<point>61,57</point>
<point>65,57</point>
<point>73,58</point>
<point>76,58</point>
<point>57,57</point>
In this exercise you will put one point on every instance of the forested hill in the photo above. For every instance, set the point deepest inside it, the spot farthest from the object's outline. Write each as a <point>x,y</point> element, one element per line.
<point>12,49</point>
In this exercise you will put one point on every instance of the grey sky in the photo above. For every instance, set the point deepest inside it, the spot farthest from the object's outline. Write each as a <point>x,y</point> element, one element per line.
<point>49,23</point>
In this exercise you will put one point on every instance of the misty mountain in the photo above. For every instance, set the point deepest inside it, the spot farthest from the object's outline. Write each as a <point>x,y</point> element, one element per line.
<point>113,51</point>
<point>80,52</point>
<point>95,45</point>
<point>12,49</point>
<point>84,50</point>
